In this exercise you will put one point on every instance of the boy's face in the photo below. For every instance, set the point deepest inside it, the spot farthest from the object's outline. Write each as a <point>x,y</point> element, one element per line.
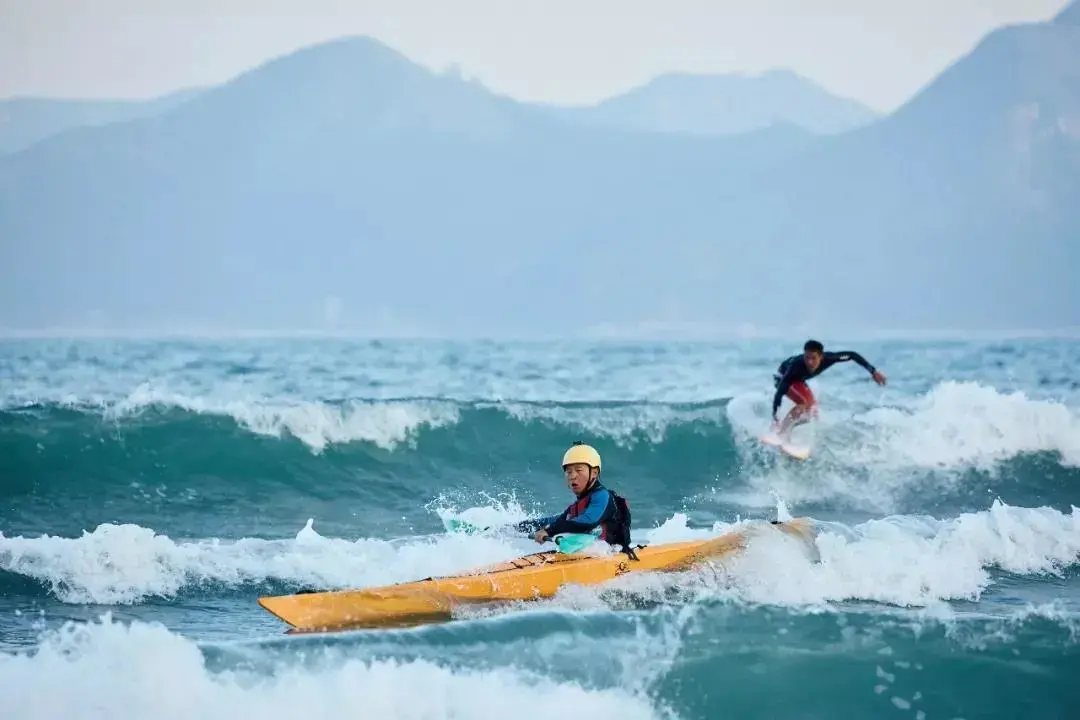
<point>578,476</point>
<point>812,359</point>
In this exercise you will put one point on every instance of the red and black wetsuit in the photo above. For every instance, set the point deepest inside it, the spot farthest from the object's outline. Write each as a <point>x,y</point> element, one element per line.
<point>791,376</point>
<point>596,507</point>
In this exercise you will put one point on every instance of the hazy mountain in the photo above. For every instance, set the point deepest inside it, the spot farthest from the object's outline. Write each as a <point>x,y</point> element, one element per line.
<point>963,203</point>
<point>716,104</point>
<point>26,120</point>
<point>341,171</point>
<point>1070,15</point>
<point>344,183</point>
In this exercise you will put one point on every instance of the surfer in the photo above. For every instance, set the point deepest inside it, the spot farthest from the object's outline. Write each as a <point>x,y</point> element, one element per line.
<point>594,507</point>
<point>791,377</point>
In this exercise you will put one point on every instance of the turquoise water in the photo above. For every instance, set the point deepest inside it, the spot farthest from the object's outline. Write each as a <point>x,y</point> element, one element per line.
<point>150,491</point>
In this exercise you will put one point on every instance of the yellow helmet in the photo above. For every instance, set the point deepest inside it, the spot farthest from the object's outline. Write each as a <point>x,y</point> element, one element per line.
<point>581,453</point>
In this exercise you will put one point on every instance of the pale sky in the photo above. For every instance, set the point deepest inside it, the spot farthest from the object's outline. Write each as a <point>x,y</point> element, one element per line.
<point>564,51</point>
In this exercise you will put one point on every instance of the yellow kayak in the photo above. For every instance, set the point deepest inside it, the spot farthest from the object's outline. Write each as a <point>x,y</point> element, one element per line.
<point>530,577</point>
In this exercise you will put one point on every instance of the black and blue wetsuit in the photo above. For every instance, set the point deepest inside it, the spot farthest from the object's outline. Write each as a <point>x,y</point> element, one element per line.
<point>794,370</point>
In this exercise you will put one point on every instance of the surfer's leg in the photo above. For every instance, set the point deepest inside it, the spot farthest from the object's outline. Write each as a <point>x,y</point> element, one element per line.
<point>805,406</point>
<point>798,415</point>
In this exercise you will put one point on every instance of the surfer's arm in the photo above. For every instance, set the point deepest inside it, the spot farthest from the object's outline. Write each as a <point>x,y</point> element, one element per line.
<point>845,355</point>
<point>590,517</point>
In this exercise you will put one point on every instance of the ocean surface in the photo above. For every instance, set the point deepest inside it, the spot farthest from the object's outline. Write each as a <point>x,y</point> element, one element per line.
<point>152,490</point>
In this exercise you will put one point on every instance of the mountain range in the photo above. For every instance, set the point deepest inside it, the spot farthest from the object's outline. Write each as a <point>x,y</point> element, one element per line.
<point>26,120</point>
<point>676,102</point>
<point>343,186</point>
<point>726,104</point>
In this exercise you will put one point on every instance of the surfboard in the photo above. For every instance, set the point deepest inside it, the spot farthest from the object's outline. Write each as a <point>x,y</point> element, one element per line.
<point>788,449</point>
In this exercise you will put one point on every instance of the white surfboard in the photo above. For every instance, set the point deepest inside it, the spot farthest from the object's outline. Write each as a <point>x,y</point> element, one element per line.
<point>799,453</point>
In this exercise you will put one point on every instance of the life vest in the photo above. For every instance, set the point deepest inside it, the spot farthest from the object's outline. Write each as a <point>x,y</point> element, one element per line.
<point>616,529</point>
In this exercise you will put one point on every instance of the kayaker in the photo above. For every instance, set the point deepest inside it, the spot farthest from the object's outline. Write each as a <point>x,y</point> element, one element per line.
<point>595,506</point>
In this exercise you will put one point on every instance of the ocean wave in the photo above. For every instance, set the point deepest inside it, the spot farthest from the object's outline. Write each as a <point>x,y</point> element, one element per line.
<point>768,663</point>
<point>903,561</point>
<point>142,670</point>
<point>938,452</point>
<point>953,424</point>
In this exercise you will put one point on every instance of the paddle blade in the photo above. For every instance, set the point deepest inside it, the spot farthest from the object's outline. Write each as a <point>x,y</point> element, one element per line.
<point>570,543</point>
<point>454,525</point>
